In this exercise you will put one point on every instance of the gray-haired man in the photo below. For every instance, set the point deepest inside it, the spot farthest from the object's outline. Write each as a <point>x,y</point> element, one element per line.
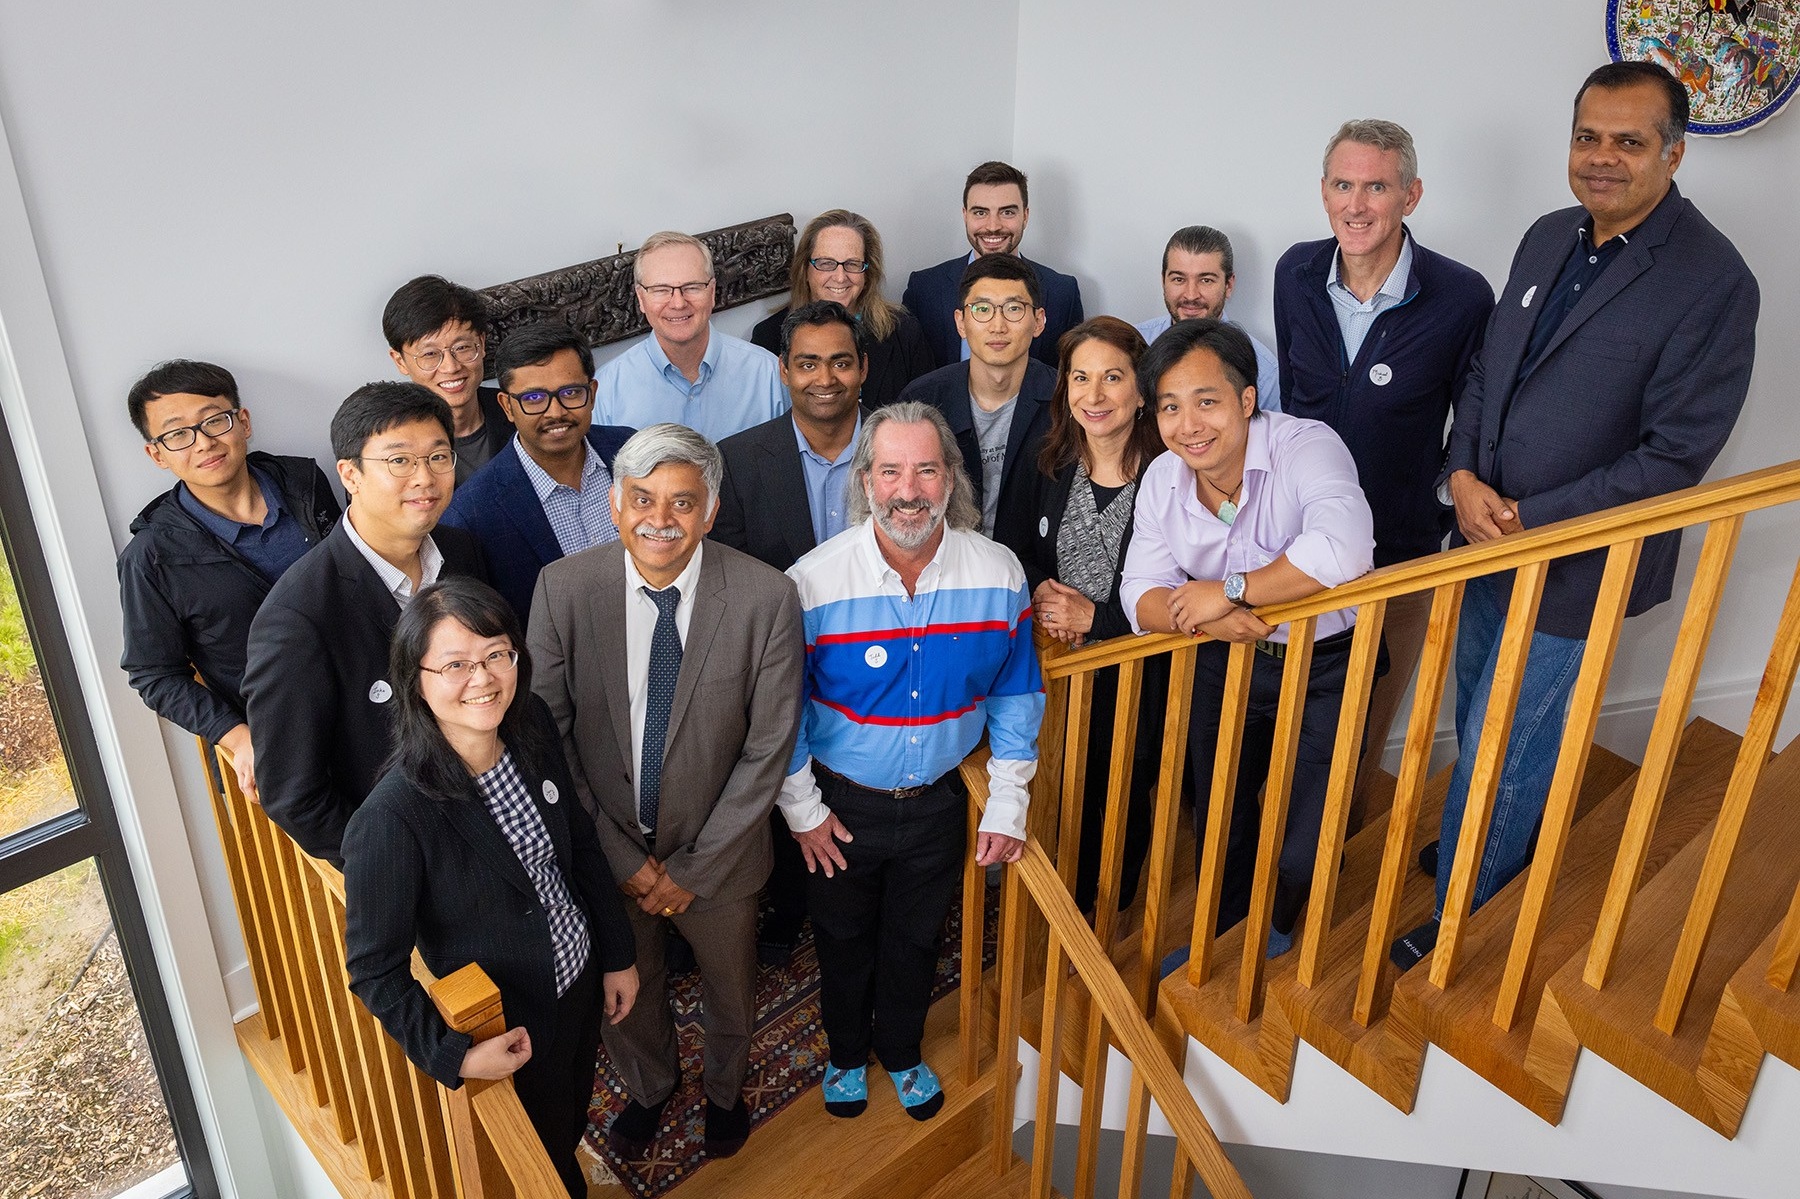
<point>678,712</point>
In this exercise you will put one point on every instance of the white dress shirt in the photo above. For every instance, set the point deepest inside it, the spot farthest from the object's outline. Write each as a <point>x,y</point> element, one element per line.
<point>431,564</point>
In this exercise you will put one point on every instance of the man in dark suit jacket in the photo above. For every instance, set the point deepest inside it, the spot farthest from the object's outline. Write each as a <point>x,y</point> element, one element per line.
<point>996,207</point>
<point>997,403</point>
<point>316,681</point>
<point>661,639</point>
<point>548,492</point>
<point>784,493</point>
<point>1613,370</point>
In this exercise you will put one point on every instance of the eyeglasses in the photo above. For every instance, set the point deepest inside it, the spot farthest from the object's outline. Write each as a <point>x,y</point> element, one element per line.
<point>501,661</point>
<point>535,403</point>
<point>1013,310</point>
<point>402,466</point>
<point>826,266</point>
<point>216,425</point>
<point>466,352</point>
<point>662,293</point>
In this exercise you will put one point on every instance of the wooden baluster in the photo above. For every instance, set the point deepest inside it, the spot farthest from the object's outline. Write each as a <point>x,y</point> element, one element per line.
<point>1137,1137</point>
<point>1181,1176</point>
<point>381,1153</point>
<point>1157,874</point>
<point>1346,760</point>
<point>1374,984</point>
<point>1565,784</point>
<point>1118,800</point>
<point>1786,959</point>
<point>1043,816</point>
<point>1665,742</point>
<point>1093,1095</point>
<point>1490,754</point>
<point>1050,1052</point>
<point>1296,671</point>
<point>1753,755</point>
<point>974,919</point>
<point>235,847</point>
<point>285,962</point>
<point>1232,707</point>
<point>306,968</point>
<point>428,1116</point>
<point>1011,952</point>
<point>340,1055</point>
<point>1074,775</point>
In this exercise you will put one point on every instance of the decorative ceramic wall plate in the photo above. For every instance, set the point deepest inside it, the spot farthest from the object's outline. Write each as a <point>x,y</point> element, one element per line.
<point>1740,59</point>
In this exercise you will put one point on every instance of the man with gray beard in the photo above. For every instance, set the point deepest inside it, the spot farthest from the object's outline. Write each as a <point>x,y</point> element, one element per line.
<point>678,707</point>
<point>918,638</point>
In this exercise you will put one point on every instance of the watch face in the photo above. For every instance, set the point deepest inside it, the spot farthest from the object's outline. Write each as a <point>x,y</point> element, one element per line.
<point>1234,587</point>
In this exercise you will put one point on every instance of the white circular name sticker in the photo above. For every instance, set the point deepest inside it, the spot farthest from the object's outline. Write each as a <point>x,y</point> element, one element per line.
<point>380,692</point>
<point>875,656</point>
<point>1525,300</point>
<point>1381,374</point>
<point>551,794</point>
<point>1043,526</point>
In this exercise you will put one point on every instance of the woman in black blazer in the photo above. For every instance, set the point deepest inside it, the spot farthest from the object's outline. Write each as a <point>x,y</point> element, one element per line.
<point>1101,438</point>
<point>847,243</point>
<point>475,847</point>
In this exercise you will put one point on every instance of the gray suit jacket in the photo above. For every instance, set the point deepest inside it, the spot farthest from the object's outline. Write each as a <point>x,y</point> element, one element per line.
<point>731,728</point>
<point>1633,398</point>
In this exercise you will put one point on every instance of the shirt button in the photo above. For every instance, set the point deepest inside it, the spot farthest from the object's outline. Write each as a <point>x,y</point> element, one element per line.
<point>915,695</point>
<point>915,740</point>
<point>1578,287</point>
<point>915,645</point>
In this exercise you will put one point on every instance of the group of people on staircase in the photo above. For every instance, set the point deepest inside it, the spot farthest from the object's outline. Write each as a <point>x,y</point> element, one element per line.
<point>605,674</point>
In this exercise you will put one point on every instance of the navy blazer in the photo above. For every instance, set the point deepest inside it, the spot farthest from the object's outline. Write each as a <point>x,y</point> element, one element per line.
<point>947,390</point>
<point>1634,397</point>
<point>934,294</point>
<point>765,509</point>
<point>499,506</point>
<point>440,874</point>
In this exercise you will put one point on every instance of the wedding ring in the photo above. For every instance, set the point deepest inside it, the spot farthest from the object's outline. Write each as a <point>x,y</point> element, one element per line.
<point>668,911</point>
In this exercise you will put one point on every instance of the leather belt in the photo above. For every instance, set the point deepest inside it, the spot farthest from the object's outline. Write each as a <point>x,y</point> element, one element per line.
<point>890,792</point>
<point>1279,649</point>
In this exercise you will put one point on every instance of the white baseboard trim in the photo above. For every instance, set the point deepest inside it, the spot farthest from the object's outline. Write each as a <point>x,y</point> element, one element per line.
<point>240,992</point>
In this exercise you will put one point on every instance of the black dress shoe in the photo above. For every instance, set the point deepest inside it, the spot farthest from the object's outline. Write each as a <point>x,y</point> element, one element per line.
<point>633,1130</point>
<point>727,1128</point>
<point>774,953</point>
<point>1428,859</point>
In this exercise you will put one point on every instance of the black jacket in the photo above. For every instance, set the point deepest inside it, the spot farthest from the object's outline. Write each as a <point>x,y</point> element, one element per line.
<point>316,685</point>
<point>894,361</point>
<point>440,874</point>
<point>1049,499</point>
<point>189,599</point>
<point>764,507</point>
<point>947,390</point>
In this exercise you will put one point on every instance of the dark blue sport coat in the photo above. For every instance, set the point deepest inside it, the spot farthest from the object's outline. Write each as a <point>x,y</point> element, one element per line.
<point>500,508</point>
<point>932,296</point>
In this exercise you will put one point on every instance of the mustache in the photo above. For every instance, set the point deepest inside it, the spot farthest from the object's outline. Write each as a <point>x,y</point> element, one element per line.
<point>656,533</point>
<point>893,506</point>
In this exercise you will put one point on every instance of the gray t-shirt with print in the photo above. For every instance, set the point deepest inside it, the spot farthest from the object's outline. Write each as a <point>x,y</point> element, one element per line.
<point>991,429</point>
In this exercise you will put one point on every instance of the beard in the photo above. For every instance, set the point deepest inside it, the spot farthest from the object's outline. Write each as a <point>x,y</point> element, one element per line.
<point>911,535</point>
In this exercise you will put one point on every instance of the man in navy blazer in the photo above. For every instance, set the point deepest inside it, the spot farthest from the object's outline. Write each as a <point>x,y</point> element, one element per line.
<point>1614,368</point>
<point>996,201</point>
<point>547,493</point>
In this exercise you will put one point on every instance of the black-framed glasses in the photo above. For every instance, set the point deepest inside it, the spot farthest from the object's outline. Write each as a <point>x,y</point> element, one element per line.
<point>826,266</point>
<point>466,352</point>
<point>501,661</point>
<point>662,293</point>
<point>1013,310</point>
<point>403,466</point>
<point>572,398</point>
<point>216,425</point>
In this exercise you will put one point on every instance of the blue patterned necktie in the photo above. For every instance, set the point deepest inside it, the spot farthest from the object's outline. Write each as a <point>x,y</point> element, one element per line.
<point>659,696</point>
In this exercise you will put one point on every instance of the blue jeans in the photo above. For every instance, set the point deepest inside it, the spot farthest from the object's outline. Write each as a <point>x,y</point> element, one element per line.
<point>1551,666</point>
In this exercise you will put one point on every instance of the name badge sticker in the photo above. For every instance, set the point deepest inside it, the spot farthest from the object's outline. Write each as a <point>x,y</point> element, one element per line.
<point>551,794</point>
<point>875,656</point>
<point>1525,300</point>
<point>380,692</point>
<point>1043,526</point>
<point>1381,374</point>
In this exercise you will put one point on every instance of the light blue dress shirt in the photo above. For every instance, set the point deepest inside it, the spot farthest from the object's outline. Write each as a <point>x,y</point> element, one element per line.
<point>1268,371</point>
<point>580,519</point>
<point>826,484</point>
<point>1354,316</point>
<point>739,387</point>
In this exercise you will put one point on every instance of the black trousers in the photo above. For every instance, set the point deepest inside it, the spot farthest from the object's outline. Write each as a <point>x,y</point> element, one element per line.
<point>1312,770</point>
<point>556,1086</point>
<point>786,887</point>
<point>1146,759</point>
<point>878,924</point>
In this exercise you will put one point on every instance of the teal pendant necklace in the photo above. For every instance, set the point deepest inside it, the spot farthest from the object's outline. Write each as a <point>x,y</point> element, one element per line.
<point>1228,510</point>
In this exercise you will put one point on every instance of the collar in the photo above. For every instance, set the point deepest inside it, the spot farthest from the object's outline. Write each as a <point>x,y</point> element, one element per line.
<point>709,361</point>
<point>431,563</point>
<point>686,580</point>
<point>884,571</point>
<point>849,450</point>
<point>1394,286</point>
<point>1257,461</point>
<point>224,527</point>
<point>543,484</point>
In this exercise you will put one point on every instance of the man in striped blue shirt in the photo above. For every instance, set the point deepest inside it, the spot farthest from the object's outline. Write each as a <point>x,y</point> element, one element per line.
<point>918,639</point>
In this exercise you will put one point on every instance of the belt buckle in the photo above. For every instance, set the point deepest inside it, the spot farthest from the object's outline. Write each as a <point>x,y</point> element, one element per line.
<point>1275,649</point>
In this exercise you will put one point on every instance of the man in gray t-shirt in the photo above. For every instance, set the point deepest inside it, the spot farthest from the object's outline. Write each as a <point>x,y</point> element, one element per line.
<point>991,428</point>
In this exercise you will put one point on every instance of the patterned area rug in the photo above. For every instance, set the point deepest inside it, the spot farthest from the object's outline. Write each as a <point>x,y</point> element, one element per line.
<point>787,1055</point>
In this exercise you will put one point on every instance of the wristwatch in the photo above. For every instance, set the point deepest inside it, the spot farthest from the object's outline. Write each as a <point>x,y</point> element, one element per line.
<point>1234,589</point>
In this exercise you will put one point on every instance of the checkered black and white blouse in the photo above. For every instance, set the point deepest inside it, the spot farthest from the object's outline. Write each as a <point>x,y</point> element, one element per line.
<point>508,801</point>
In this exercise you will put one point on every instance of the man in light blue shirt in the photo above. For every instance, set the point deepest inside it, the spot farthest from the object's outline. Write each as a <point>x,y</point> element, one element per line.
<point>686,371</point>
<point>1198,276</point>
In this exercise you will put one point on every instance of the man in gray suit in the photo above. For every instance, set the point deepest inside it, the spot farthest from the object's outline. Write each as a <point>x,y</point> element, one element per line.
<point>678,711</point>
<point>1613,370</point>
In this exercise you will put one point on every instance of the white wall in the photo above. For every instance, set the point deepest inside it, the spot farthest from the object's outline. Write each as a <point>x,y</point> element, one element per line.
<point>1135,120</point>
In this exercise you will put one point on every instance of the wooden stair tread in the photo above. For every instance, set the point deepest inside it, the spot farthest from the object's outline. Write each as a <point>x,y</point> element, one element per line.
<point>1617,1022</point>
<point>1459,1020</point>
<point>1774,1015</point>
<point>975,1179</point>
<point>884,1152</point>
<point>342,1161</point>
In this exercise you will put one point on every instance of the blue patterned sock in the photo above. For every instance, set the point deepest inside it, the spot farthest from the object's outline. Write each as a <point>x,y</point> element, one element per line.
<point>920,1092</point>
<point>846,1091</point>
